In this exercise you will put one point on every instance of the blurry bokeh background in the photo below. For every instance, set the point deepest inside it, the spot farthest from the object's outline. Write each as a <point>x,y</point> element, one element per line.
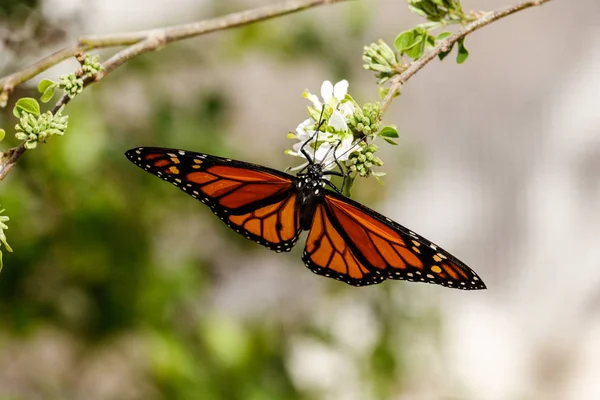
<point>122,287</point>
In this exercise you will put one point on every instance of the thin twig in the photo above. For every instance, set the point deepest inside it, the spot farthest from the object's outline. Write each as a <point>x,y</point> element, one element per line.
<point>446,44</point>
<point>171,34</point>
<point>138,43</point>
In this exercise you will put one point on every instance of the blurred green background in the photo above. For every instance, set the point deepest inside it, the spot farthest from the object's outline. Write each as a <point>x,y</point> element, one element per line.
<point>122,287</point>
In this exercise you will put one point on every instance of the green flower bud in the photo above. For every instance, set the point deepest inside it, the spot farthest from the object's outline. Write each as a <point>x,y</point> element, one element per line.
<point>437,10</point>
<point>34,129</point>
<point>380,58</point>
<point>71,84</point>
<point>91,65</point>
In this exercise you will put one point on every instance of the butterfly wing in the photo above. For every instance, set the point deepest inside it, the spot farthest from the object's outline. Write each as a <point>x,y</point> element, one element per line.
<point>354,244</point>
<point>256,201</point>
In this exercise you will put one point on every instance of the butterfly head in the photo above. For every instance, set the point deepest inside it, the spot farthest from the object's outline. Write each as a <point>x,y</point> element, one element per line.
<point>315,171</point>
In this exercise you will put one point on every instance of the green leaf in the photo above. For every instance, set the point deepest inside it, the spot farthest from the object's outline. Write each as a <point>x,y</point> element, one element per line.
<point>404,41</point>
<point>26,105</point>
<point>2,134</point>
<point>443,54</point>
<point>463,53</point>
<point>417,11</point>
<point>390,141</point>
<point>389,132</point>
<point>443,35</point>
<point>45,84</point>
<point>348,187</point>
<point>417,51</point>
<point>430,42</point>
<point>383,91</point>
<point>48,94</point>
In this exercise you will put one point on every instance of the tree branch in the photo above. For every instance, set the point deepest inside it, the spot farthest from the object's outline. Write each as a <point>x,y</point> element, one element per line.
<point>170,34</point>
<point>138,43</point>
<point>445,45</point>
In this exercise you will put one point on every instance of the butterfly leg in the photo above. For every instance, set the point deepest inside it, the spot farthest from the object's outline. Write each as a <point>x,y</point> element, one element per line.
<point>336,173</point>
<point>331,185</point>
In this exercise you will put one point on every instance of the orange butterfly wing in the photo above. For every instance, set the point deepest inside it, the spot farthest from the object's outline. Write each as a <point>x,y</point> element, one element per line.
<point>354,244</point>
<point>327,253</point>
<point>255,201</point>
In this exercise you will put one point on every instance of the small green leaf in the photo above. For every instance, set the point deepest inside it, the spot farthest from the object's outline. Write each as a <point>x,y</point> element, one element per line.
<point>418,49</point>
<point>389,132</point>
<point>390,141</point>
<point>443,35</point>
<point>48,94</point>
<point>430,42</point>
<point>404,41</point>
<point>443,54</point>
<point>45,84</point>
<point>383,91</point>
<point>348,187</point>
<point>463,53</point>
<point>417,11</point>
<point>27,105</point>
<point>2,134</point>
<point>30,145</point>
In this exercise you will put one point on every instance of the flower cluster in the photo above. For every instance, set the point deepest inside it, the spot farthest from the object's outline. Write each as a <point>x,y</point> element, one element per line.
<point>362,160</point>
<point>3,227</point>
<point>437,10</point>
<point>71,84</point>
<point>380,58</point>
<point>333,141</point>
<point>37,128</point>
<point>338,132</point>
<point>91,65</point>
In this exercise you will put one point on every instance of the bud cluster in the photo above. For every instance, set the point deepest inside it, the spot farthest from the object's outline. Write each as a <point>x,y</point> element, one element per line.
<point>37,128</point>
<point>437,10</point>
<point>3,227</point>
<point>365,121</point>
<point>381,59</point>
<point>71,84</point>
<point>362,161</point>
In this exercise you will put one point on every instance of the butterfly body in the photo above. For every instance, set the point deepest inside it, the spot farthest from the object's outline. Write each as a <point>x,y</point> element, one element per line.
<point>346,240</point>
<point>310,188</point>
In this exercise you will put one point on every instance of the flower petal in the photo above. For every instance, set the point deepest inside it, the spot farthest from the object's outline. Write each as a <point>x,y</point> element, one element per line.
<point>299,167</point>
<point>302,130</point>
<point>324,153</point>
<point>343,151</point>
<point>340,89</point>
<point>346,108</point>
<point>315,100</point>
<point>326,91</point>
<point>337,122</point>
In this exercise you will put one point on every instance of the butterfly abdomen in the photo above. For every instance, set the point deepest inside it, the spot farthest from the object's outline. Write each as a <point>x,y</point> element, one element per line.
<point>310,191</point>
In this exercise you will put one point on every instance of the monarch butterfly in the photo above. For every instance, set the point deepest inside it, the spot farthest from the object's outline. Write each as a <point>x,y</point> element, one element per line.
<point>347,241</point>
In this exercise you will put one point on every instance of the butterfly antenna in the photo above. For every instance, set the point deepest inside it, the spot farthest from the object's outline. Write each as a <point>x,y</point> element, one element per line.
<point>321,122</point>
<point>311,160</point>
<point>336,161</point>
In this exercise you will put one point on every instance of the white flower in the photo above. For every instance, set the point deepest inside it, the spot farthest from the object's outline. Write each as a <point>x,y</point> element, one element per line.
<point>334,144</point>
<point>329,91</point>
<point>331,95</point>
